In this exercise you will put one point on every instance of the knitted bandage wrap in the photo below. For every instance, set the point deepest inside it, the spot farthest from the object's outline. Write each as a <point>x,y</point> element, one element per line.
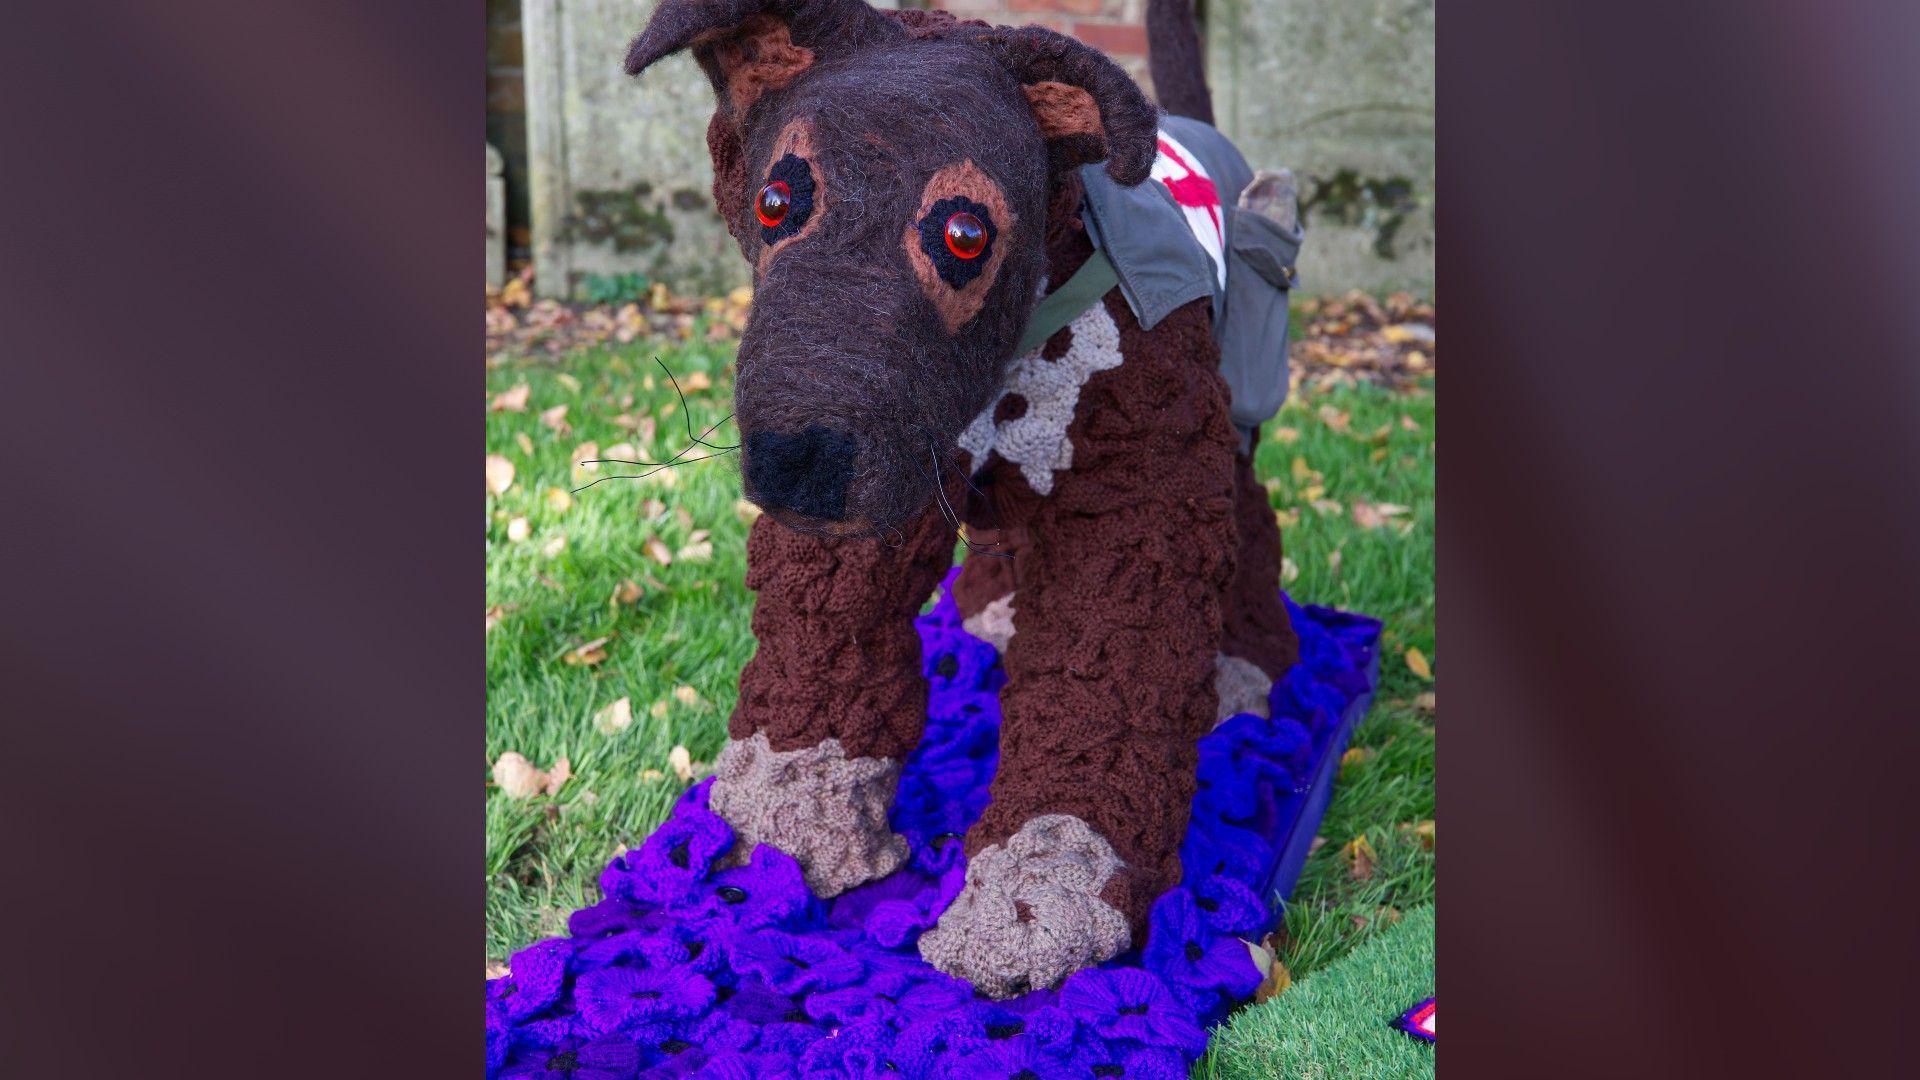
<point>993,624</point>
<point>816,804</point>
<point>1036,440</point>
<point>1242,686</point>
<point>1031,913</point>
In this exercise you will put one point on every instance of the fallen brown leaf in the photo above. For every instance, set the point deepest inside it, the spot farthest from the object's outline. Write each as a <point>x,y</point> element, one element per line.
<point>514,400</point>
<point>627,592</point>
<point>1286,434</point>
<point>1360,857</point>
<point>517,777</point>
<point>1425,701</point>
<point>525,444</point>
<point>681,762</point>
<point>552,548</point>
<point>587,654</point>
<point>559,500</point>
<point>1276,978</point>
<point>518,530</point>
<point>696,381</point>
<point>1355,757</point>
<point>1417,663</point>
<point>556,419</point>
<point>1289,570</point>
<point>615,718</point>
<point>657,551</point>
<point>494,615</point>
<point>1421,831</point>
<point>499,474</point>
<point>687,696</point>
<point>745,511</point>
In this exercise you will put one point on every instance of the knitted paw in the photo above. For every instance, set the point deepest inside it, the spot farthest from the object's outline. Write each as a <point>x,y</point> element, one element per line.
<point>816,804</point>
<point>1242,687</point>
<point>1031,912</point>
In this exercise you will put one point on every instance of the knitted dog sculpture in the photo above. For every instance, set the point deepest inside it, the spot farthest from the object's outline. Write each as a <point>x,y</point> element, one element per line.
<point>905,186</point>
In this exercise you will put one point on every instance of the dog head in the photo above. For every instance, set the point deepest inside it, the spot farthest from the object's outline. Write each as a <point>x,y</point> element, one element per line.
<point>887,179</point>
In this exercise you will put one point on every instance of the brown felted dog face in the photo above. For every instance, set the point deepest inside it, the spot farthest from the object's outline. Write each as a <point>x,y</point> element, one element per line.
<point>887,178</point>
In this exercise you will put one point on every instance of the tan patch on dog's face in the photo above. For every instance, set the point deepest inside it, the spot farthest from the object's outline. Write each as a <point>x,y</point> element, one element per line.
<point>957,306</point>
<point>757,56</point>
<point>796,139</point>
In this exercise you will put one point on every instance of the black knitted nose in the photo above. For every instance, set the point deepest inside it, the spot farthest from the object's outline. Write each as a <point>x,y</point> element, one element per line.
<point>805,472</point>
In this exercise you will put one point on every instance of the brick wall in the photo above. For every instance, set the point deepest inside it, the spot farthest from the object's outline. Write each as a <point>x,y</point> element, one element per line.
<point>1115,27</point>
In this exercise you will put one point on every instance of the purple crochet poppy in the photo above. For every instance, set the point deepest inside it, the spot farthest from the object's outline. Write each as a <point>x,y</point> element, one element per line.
<point>1228,905</point>
<point>670,866</point>
<point>771,890</point>
<point>539,975</point>
<point>862,1050</point>
<point>1140,1063</point>
<point>793,964</point>
<point>1197,964</point>
<point>1018,1059</point>
<point>1132,1005</point>
<point>624,998</point>
<point>748,1066</point>
<point>609,1058</point>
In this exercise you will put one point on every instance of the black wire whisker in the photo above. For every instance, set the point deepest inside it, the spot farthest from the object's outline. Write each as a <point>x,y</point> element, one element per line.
<point>650,472</point>
<point>687,414</point>
<point>952,517</point>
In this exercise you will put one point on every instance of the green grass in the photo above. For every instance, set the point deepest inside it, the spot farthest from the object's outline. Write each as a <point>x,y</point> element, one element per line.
<point>689,629</point>
<point>1336,1024</point>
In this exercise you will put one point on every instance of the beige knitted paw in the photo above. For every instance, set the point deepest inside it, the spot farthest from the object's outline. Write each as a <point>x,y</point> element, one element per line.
<point>1031,913</point>
<point>816,804</point>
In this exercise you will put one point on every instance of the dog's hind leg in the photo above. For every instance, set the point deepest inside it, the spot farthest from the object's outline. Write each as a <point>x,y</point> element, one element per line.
<point>832,700</point>
<point>1257,644</point>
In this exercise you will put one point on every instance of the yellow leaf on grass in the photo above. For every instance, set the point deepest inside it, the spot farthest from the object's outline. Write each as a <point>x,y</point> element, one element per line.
<point>1336,419</point>
<point>615,718</point>
<point>1289,570</point>
<point>559,500</point>
<point>552,548</point>
<point>518,530</point>
<point>681,762</point>
<point>1421,831</point>
<point>1287,519</point>
<point>1302,472</point>
<point>514,400</point>
<point>652,508</point>
<point>1417,663</point>
<point>1286,435</point>
<point>1425,702</point>
<point>696,381</point>
<point>658,710</point>
<point>556,418</point>
<point>1355,757</point>
<point>499,474</point>
<point>569,382</point>
<point>1276,977</point>
<point>627,592</point>
<point>745,511</point>
<point>1407,423</point>
<point>1328,507</point>
<point>698,551</point>
<point>1374,515</point>
<point>657,551</point>
<point>494,615</point>
<point>525,444</point>
<point>1360,857</point>
<point>687,696</point>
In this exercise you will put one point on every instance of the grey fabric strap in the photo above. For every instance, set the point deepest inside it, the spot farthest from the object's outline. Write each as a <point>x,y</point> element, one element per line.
<point>1066,303</point>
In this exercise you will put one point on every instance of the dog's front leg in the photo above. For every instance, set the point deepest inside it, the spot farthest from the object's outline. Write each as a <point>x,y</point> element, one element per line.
<point>1111,675</point>
<point>833,699</point>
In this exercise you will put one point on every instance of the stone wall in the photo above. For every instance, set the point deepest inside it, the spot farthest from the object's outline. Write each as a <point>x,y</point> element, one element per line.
<point>1341,91</point>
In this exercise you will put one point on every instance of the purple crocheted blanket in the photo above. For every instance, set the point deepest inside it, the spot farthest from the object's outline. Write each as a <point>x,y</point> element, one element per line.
<point>688,970</point>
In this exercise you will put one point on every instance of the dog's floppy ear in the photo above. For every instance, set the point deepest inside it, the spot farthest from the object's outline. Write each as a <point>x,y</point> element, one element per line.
<point>1087,108</point>
<point>750,47</point>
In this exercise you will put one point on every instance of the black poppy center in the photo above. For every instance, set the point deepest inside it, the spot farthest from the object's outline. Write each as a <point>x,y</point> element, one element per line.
<point>565,1061</point>
<point>1134,1010</point>
<point>1006,1031</point>
<point>953,269</point>
<point>1195,952</point>
<point>947,667</point>
<point>733,894</point>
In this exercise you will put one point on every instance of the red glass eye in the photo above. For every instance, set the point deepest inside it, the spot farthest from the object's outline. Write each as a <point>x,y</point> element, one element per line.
<point>966,237</point>
<point>774,202</point>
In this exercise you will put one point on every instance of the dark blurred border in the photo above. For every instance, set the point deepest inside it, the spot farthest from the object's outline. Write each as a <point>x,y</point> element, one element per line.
<point>1678,535</point>
<point>241,681</point>
<point>239,668</point>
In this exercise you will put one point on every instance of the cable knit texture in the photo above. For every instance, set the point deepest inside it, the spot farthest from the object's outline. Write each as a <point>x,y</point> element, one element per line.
<point>1031,913</point>
<point>837,657</point>
<point>816,804</point>
<point>1254,624</point>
